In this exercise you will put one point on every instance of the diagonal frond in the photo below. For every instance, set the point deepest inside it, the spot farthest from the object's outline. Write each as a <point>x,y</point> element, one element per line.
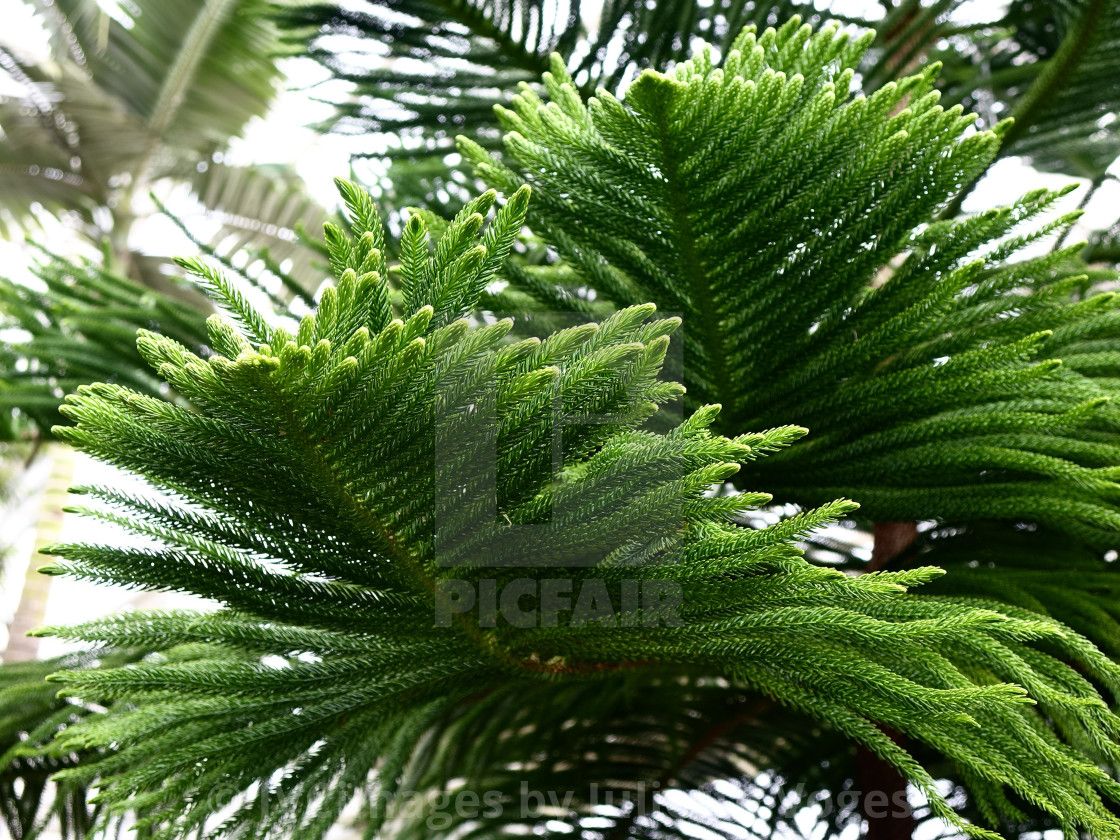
<point>788,222</point>
<point>264,212</point>
<point>193,72</point>
<point>138,96</point>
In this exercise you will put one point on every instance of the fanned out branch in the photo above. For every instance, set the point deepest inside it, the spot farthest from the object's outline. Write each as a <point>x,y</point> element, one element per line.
<point>336,489</point>
<point>788,222</point>
<point>426,70</point>
<point>430,69</point>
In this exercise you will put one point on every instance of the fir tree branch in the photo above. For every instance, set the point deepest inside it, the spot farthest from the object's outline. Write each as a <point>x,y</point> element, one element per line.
<point>797,198</point>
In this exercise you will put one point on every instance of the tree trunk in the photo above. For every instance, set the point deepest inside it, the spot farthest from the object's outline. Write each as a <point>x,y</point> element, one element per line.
<point>32,607</point>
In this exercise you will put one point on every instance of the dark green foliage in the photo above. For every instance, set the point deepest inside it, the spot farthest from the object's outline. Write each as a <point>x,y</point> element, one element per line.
<point>678,758</point>
<point>1047,64</point>
<point>1104,246</point>
<point>451,60</point>
<point>328,485</point>
<point>31,714</point>
<point>788,223</point>
<point>428,70</point>
<point>80,328</point>
<point>325,487</point>
<point>1054,64</point>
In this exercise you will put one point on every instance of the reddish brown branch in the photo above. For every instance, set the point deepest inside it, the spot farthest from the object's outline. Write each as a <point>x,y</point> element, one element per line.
<point>891,540</point>
<point>882,788</point>
<point>883,797</point>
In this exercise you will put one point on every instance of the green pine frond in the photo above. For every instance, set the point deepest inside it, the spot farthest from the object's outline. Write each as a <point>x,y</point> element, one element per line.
<point>1031,568</point>
<point>1049,66</point>
<point>787,221</point>
<point>341,490</point>
<point>135,97</point>
<point>442,64</point>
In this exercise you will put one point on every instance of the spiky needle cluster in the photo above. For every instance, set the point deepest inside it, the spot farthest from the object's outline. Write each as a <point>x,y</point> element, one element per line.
<point>788,221</point>
<point>326,487</point>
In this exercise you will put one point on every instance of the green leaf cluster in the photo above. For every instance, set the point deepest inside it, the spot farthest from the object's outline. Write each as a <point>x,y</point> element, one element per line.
<point>788,208</point>
<point>787,220</point>
<point>325,487</point>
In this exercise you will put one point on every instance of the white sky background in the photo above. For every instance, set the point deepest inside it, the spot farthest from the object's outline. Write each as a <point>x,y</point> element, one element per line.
<point>282,137</point>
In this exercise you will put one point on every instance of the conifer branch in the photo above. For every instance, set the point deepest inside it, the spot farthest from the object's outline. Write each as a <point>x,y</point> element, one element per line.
<point>304,490</point>
<point>797,195</point>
